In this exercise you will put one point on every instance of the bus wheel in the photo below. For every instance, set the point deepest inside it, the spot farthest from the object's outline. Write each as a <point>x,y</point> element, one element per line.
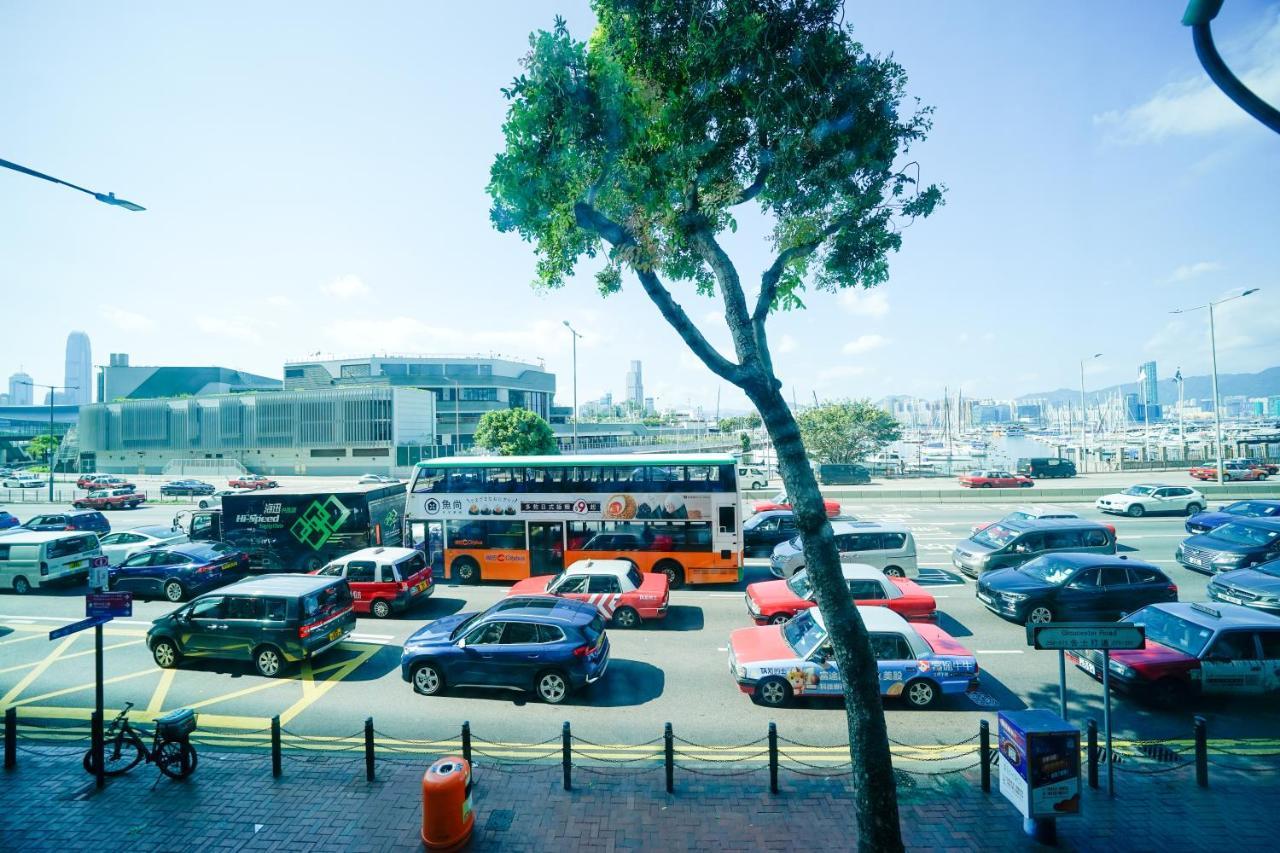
<point>466,570</point>
<point>673,571</point>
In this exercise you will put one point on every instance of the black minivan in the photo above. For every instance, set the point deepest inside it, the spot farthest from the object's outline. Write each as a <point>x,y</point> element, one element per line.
<point>1046,466</point>
<point>843,475</point>
<point>1074,587</point>
<point>270,620</point>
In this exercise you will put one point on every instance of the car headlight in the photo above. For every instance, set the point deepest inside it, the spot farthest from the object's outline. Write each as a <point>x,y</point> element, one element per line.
<point>1228,558</point>
<point>1014,596</point>
<point>751,606</point>
<point>1121,670</point>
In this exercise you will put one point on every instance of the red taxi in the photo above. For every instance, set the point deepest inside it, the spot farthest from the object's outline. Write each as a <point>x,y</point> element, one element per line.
<point>383,580</point>
<point>774,602</point>
<point>252,481</point>
<point>991,479</point>
<point>1233,469</point>
<point>622,593</point>
<point>781,501</point>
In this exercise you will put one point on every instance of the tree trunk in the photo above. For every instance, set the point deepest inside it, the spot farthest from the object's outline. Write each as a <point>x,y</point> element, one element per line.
<point>874,788</point>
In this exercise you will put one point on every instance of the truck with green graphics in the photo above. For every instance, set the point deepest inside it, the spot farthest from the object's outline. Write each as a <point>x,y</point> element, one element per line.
<point>301,529</point>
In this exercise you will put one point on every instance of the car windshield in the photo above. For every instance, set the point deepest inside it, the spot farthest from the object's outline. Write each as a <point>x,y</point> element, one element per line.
<point>1253,509</point>
<point>799,584</point>
<point>1138,491</point>
<point>633,575</point>
<point>463,626</point>
<point>1173,631</point>
<point>1245,534</point>
<point>1048,570</point>
<point>995,536</point>
<point>803,633</point>
<point>1272,568</point>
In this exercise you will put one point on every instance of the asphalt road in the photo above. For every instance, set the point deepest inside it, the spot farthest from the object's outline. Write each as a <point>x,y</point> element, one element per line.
<point>675,671</point>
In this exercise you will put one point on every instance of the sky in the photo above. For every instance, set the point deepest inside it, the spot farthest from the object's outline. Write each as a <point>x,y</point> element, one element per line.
<point>314,176</point>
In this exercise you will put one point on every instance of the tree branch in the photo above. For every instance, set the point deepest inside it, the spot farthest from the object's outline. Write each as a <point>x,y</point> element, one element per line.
<point>756,186</point>
<point>773,275</point>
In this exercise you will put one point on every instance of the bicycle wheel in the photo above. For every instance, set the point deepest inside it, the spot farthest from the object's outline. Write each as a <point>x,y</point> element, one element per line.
<point>172,755</point>
<point>120,754</point>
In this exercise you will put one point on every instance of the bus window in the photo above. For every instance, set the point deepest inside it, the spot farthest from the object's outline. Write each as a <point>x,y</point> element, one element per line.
<point>507,535</point>
<point>665,478</point>
<point>499,480</point>
<point>701,478</point>
<point>429,480</point>
<point>466,481</point>
<point>728,478</point>
<point>580,532</point>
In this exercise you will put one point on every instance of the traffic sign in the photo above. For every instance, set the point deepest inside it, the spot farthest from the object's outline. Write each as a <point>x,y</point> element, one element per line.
<point>1087,635</point>
<point>108,604</point>
<point>66,630</point>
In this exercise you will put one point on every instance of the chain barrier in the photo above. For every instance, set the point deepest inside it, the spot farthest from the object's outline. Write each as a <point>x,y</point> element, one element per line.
<point>1138,771</point>
<point>549,740</point>
<point>683,754</point>
<point>657,756</point>
<point>522,758</point>
<point>755,742</point>
<point>947,772</point>
<point>403,741</point>
<point>1243,768</point>
<point>624,746</point>
<point>1222,750</point>
<point>323,738</point>
<point>719,774</point>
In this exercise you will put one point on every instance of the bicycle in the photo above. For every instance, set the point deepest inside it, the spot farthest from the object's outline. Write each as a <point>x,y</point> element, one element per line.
<point>171,750</point>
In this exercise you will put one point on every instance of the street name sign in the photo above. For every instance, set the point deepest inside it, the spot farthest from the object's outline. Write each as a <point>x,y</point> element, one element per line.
<point>108,604</point>
<point>67,630</point>
<point>1087,635</point>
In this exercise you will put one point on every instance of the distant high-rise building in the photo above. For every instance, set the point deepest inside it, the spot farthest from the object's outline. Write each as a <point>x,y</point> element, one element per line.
<point>20,389</point>
<point>1148,391</point>
<point>635,386</point>
<point>79,372</point>
<point>649,407</point>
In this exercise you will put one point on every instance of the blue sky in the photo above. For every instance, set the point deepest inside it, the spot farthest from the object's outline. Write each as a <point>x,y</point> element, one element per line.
<point>315,178</point>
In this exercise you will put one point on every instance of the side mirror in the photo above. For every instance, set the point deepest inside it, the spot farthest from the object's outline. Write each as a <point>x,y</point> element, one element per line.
<point>462,644</point>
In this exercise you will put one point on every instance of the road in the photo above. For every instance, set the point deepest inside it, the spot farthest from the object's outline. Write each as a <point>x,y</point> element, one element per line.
<point>675,671</point>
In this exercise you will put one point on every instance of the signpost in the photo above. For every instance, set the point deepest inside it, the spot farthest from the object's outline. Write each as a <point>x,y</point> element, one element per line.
<point>1103,636</point>
<point>76,627</point>
<point>108,604</point>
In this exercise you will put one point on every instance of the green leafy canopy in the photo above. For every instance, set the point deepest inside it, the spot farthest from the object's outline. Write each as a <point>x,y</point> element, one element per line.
<point>847,430</point>
<point>515,432</point>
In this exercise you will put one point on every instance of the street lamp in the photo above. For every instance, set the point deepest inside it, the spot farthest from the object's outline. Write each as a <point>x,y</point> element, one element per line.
<point>1213,353</point>
<point>108,198</point>
<point>52,389</point>
<point>1084,418</point>
<point>575,334</point>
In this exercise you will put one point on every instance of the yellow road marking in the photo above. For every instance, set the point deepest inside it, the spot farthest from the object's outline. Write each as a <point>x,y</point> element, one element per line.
<point>35,673</point>
<point>162,690</point>
<point>55,712</point>
<point>319,690</point>
<point>308,681</point>
<point>72,656</point>
<point>89,686</point>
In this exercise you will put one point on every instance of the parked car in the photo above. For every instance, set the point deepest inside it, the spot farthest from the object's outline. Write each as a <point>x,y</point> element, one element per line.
<point>1193,649</point>
<point>96,482</point>
<point>1143,498</point>
<point>993,479</point>
<point>1079,587</point>
<point>252,481</point>
<point>1257,587</point>
<point>781,501</point>
<point>384,580</point>
<point>270,620</point>
<point>1010,544</point>
<point>843,475</point>
<point>1254,462</point>
<point>7,520</point>
<point>84,519</point>
<point>109,499</point>
<point>175,572</point>
<point>774,602</point>
<point>1038,512</point>
<point>550,646</point>
<point>762,531</point>
<point>752,477</point>
<point>377,478</point>
<point>890,548</point>
<point>774,664</point>
<point>1252,508</point>
<point>214,501</point>
<point>625,596</point>
<point>30,559</point>
<point>1238,544</point>
<point>22,481</point>
<point>187,488</point>
<point>1233,469</point>
<point>1046,466</point>
<point>123,544</point>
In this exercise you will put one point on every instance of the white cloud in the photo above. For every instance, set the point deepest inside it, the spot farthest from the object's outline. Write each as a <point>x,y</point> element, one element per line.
<point>127,320</point>
<point>844,371</point>
<point>1195,106</point>
<point>411,335</point>
<point>864,303</point>
<point>864,344</point>
<point>239,330</point>
<point>1245,330</point>
<point>346,287</point>
<point>1186,272</point>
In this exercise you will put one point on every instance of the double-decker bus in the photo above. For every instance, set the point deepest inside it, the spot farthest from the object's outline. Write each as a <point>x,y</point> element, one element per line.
<point>509,517</point>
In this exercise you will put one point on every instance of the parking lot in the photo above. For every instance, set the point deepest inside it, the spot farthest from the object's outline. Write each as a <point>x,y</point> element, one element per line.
<point>674,671</point>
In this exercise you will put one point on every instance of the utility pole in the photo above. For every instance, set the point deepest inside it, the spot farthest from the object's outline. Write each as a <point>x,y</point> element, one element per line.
<point>52,442</point>
<point>575,334</point>
<point>1084,417</point>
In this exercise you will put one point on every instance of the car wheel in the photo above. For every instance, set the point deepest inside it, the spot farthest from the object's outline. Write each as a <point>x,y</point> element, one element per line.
<point>773,692</point>
<point>21,585</point>
<point>203,504</point>
<point>1262,477</point>
<point>779,618</point>
<point>626,617</point>
<point>895,572</point>
<point>1027,485</point>
<point>466,570</point>
<point>380,609</point>
<point>173,591</point>
<point>1039,615</point>
<point>673,571</point>
<point>268,661</point>
<point>427,680</point>
<point>165,653</point>
<point>1137,511</point>
<point>920,693</point>
<point>553,687</point>
<point>986,485</point>
<point>1193,508</point>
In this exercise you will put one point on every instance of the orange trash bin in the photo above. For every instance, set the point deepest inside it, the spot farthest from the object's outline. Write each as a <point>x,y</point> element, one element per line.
<point>447,819</point>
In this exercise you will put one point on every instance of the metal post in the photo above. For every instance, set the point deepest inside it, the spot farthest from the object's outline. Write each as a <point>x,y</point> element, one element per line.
<point>51,395</point>
<point>566,755</point>
<point>1084,426</point>
<point>1106,720</point>
<point>1062,682</point>
<point>10,738</point>
<point>466,743</point>
<point>275,746</point>
<point>984,753</point>
<point>669,756</point>
<point>1202,753</point>
<point>773,758</point>
<point>1217,402</point>
<point>99,758</point>
<point>1093,753</point>
<point>368,749</point>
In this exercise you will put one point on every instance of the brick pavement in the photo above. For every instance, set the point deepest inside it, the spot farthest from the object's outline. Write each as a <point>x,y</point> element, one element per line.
<point>323,803</point>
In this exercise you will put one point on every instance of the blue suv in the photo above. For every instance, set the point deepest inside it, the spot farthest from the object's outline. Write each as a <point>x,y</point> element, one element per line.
<point>550,646</point>
<point>1238,544</point>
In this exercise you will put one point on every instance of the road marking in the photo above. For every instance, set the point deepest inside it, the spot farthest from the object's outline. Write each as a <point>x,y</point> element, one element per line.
<point>998,651</point>
<point>38,671</point>
<point>317,691</point>
<point>72,656</point>
<point>161,691</point>
<point>86,686</point>
<point>31,620</point>
<point>23,621</point>
<point>22,639</point>
<point>59,712</point>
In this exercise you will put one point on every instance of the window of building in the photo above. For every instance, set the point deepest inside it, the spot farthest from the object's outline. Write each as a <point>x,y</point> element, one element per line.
<point>328,452</point>
<point>294,373</point>
<point>372,451</point>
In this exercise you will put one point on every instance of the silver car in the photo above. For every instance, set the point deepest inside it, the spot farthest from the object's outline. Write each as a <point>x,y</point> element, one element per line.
<point>889,548</point>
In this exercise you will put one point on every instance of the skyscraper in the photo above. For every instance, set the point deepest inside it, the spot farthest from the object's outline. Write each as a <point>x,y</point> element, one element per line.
<point>20,390</point>
<point>635,387</point>
<point>79,373</point>
<point>1148,391</point>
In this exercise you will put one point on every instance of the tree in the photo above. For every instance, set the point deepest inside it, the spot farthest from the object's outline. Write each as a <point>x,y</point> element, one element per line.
<point>737,423</point>
<point>40,446</point>
<point>745,440</point>
<point>515,432</point>
<point>847,431</point>
<point>642,144</point>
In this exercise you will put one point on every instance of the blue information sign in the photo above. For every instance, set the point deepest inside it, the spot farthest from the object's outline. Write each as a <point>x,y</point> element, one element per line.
<point>108,604</point>
<point>66,630</point>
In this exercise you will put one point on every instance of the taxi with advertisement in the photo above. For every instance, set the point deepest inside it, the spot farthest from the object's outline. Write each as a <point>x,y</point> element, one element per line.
<point>384,580</point>
<point>774,602</point>
<point>1193,649</point>
<point>774,664</point>
<point>624,595</point>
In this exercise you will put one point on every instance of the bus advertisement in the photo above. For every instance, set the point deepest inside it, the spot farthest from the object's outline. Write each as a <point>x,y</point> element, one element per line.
<point>510,517</point>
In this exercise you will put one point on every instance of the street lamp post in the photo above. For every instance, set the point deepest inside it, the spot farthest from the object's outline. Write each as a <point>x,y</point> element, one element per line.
<point>107,198</point>
<point>1213,354</point>
<point>51,389</point>
<point>575,334</point>
<point>1084,418</point>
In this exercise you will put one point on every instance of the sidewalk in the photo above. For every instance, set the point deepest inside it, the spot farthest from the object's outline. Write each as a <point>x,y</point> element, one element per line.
<point>324,803</point>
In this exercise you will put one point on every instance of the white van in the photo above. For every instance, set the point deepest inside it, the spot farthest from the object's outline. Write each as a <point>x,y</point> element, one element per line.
<point>752,477</point>
<point>888,547</point>
<point>33,559</point>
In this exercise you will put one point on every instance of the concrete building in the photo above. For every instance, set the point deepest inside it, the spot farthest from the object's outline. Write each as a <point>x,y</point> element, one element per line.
<point>20,390</point>
<point>635,387</point>
<point>1148,385</point>
<point>331,431</point>
<point>465,387</point>
<point>78,377</point>
<point>120,381</point>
